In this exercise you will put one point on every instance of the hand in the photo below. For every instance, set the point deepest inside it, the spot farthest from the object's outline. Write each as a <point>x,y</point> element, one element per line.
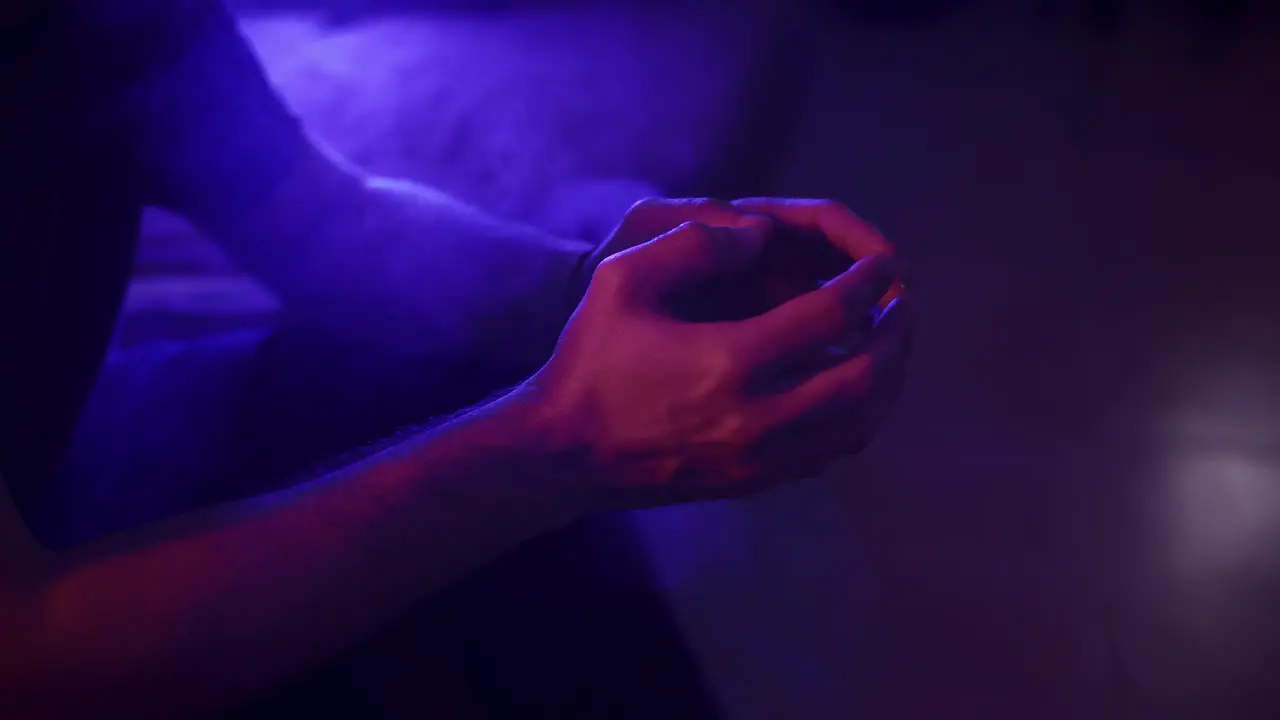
<point>810,241</point>
<point>826,234</point>
<point>652,217</point>
<point>670,411</point>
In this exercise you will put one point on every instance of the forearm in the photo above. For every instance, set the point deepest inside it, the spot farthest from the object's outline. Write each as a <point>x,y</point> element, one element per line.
<point>214,608</point>
<point>411,269</point>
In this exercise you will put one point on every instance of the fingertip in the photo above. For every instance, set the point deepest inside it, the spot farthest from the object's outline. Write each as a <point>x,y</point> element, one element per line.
<point>872,278</point>
<point>887,268</point>
<point>687,226</point>
<point>904,306</point>
<point>896,324</point>
<point>896,290</point>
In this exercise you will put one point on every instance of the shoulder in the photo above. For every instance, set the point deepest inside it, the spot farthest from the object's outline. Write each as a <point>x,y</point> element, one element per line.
<point>116,45</point>
<point>144,21</point>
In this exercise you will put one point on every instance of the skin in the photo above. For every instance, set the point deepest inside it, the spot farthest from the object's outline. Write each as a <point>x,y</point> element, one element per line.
<point>638,406</point>
<point>386,255</point>
<point>205,611</point>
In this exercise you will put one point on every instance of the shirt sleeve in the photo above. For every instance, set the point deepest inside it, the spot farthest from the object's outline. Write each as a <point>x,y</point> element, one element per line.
<point>211,137</point>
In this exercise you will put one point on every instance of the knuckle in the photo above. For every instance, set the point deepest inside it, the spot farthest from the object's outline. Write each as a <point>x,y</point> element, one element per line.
<point>646,206</point>
<point>613,274</point>
<point>702,205</point>
<point>696,234</point>
<point>724,365</point>
<point>741,429</point>
<point>757,221</point>
<point>693,227</point>
<point>660,208</point>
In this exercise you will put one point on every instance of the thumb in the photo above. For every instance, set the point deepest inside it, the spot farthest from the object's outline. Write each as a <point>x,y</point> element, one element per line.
<point>694,253</point>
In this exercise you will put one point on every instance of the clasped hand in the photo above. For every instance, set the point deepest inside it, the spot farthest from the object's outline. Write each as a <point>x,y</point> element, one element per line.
<point>702,362</point>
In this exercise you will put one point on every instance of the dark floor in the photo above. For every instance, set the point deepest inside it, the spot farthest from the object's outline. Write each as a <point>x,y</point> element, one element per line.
<point>1076,512</point>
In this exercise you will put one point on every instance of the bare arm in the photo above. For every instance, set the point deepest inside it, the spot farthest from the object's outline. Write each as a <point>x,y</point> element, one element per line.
<point>367,258</point>
<point>207,610</point>
<point>635,408</point>
<point>406,268</point>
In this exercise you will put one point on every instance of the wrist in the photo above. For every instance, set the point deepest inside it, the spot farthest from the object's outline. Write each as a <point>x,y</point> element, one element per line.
<point>551,445</point>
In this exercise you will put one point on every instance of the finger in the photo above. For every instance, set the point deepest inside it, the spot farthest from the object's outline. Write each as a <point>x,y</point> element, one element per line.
<point>859,383</point>
<point>838,223</point>
<point>821,434</point>
<point>798,253</point>
<point>686,256</point>
<point>812,322</point>
<point>894,333</point>
<point>848,430</point>
<point>652,217</point>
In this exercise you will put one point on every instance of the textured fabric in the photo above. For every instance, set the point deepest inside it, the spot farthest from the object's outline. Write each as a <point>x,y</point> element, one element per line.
<point>110,105</point>
<point>69,203</point>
